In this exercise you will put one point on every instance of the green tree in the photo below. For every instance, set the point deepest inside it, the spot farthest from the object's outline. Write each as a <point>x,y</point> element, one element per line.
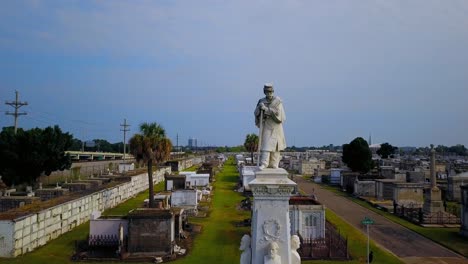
<point>357,155</point>
<point>251,144</point>
<point>28,154</point>
<point>386,150</point>
<point>76,145</point>
<point>151,145</point>
<point>458,149</point>
<point>102,145</point>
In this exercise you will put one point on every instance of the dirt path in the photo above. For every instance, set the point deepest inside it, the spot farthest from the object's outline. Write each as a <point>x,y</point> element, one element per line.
<point>404,243</point>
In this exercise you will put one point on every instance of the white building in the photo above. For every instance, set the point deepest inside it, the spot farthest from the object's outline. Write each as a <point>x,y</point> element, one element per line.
<point>307,217</point>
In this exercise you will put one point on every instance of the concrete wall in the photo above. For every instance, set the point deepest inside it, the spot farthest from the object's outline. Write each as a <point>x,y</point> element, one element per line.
<point>364,188</point>
<point>180,165</point>
<point>24,234</point>
<point>308,167</point>
<point>408,194</point>
<point>87,169</point>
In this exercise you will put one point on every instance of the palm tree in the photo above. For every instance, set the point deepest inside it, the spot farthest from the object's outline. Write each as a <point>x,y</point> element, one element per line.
<point>148,146</point>
<point>251,144</point>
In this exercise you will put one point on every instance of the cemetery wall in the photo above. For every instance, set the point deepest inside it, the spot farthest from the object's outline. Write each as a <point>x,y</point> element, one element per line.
<point>408,194</point>
<point>24,234</point>
<point>308,167</point>
<point>364,188</point>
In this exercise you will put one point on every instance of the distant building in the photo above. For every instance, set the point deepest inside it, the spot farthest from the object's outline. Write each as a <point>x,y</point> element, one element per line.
<point>192,143</point>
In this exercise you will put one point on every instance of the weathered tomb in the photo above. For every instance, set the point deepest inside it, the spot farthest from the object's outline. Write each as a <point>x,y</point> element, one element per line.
<point>307,217</point>
<point>151,230</point>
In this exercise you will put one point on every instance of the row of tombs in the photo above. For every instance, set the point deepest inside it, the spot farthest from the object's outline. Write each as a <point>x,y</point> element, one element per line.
<point>157,234</point>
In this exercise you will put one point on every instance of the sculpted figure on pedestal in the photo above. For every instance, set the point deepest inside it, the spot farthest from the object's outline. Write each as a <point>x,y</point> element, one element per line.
<point>246,256</point>
<point>272,257</point>
<point>269,117</point>
<point>295,244</point>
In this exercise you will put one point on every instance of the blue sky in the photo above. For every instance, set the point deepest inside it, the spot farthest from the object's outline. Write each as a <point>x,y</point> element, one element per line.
<point>395,69</point>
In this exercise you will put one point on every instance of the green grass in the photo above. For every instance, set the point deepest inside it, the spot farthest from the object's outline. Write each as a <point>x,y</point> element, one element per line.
<point>448,237</point>
<point>219,240</point>
<point>193,168</point>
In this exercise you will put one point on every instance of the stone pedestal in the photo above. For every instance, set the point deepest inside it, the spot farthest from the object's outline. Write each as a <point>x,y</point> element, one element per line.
<point>433,201</point>
<point>270,220</point>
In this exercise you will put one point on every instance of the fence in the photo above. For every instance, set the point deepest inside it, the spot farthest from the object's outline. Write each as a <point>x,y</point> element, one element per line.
<point>333,246</point>
<point>414,213</point>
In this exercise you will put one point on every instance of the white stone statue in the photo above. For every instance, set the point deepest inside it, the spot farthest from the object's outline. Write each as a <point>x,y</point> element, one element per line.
<point>295,244</point>
<point>246,256</point>
<point>272,257</point>
<point>269,117</point>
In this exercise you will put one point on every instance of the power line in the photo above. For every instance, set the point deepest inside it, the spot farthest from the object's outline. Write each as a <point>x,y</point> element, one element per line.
<point>16,104</point>
<point>125,130</point>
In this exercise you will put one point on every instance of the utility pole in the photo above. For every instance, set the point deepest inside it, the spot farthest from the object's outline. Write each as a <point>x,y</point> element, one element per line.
<point>177,140</point>
<point>125,130</point>
<point>16,104</point>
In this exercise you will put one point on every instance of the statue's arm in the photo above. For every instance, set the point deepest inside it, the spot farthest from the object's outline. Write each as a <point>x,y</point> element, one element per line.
<point>276,113</point>
<point>257,113</point>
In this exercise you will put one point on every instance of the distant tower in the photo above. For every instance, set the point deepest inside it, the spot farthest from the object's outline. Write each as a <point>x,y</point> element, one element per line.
<point>192,143</point>
<point>370,139</point>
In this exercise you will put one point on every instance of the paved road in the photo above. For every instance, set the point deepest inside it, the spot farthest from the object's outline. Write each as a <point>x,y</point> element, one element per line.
<point>402,242</point>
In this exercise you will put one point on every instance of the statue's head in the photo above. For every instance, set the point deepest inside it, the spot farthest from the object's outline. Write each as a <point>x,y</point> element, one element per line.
<point>245,242</point>
<point>273,248</point>
<point>268,90</point>
<point>295,242</point>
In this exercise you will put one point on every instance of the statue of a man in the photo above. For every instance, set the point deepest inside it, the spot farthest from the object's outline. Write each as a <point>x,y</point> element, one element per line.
<point>246,256</point>
<point>295,244</point>
<point>271,128</point>
<point>272,256</point>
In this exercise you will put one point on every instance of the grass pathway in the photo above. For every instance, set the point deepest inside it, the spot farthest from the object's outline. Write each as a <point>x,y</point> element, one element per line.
<point>219,240</point>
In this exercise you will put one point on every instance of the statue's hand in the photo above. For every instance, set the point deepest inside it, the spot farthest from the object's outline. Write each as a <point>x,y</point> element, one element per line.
<point>263,107</point>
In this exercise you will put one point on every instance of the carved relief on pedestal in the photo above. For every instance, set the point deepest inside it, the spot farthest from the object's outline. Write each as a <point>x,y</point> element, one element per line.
<point>264,190</point>
<point>271,231</point>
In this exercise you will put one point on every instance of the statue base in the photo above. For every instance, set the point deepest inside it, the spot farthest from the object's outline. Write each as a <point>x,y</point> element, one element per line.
<point>271,190</point>
<point>433,201</point>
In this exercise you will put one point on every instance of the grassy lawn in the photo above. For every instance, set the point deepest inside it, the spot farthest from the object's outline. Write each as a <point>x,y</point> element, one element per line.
<point>219,240</point>
<point>193,168</point>
<point>447,237</point>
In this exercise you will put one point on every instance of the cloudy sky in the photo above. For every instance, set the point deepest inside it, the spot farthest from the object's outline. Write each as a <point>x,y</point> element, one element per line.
<point>395,69</point>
